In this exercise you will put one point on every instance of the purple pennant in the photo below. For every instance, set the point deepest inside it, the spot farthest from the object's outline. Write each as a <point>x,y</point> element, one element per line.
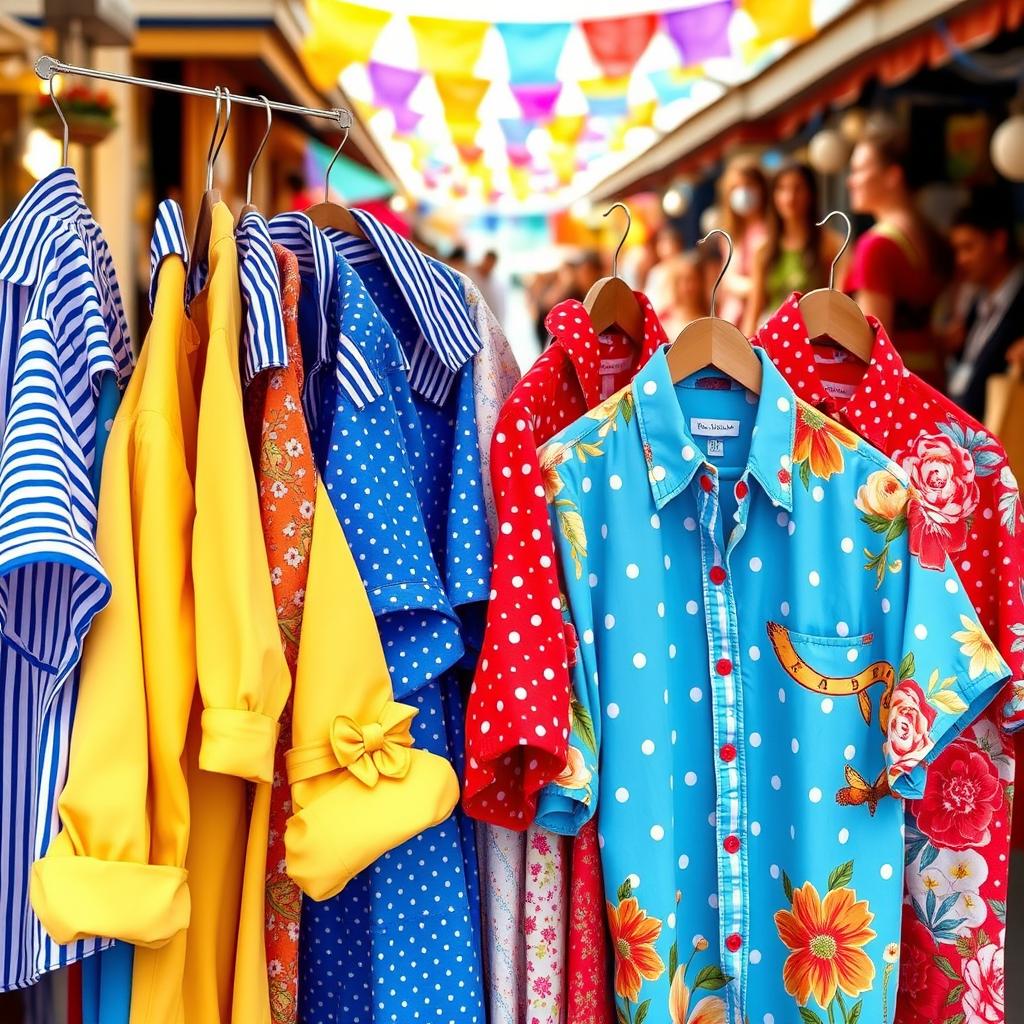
<point>700,32</point>
<point>406,120</point>
<point>537,102</point>
<point>392,86</point>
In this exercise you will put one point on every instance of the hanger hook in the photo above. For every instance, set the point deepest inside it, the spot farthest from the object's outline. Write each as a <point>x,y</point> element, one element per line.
<point>845,245</point>
<point>63,121</point>
<point>223,134</point>
<point>259,152</point>
<point>622,241</point>
<point>725,265</point>
<point>213,139</point>
<point>346,128</point>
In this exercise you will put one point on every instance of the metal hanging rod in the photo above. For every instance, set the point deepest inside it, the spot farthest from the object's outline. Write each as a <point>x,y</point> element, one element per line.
<point>46,67</point>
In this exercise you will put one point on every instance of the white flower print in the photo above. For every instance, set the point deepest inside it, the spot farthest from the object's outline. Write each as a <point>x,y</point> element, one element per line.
<point>289,530</point>
<point>299,597</point>
<point>278,489</point>
<point>293,446</point>
<point>293,557</point>
<point>275,575</point>
<point>306,509</point>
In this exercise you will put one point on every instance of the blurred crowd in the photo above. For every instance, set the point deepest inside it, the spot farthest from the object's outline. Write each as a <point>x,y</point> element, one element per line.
<point>952,300</point>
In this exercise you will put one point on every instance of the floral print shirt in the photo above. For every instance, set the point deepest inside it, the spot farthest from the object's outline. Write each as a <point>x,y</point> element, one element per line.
<point>286,476</point>
<point>965,505</point>
<point>742,766</point>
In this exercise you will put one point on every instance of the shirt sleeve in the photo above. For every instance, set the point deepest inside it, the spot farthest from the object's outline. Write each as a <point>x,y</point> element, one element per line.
<point>517,716</point>
<point>570,800</point>
<point>243,675</point>
<point>1008,630</point>
<point>116,869</point>
<point>945,669</point>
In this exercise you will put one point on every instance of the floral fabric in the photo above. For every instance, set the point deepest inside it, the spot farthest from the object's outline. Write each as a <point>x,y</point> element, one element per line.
<point>963,505</point>
<point>286,476</point>
<point>741,766</point>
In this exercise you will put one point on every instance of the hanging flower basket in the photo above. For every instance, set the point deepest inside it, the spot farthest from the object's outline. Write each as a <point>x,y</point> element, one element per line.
<point>90,115</point>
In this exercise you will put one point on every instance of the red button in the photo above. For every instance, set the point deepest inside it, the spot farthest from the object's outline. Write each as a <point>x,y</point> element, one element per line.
<point>723,666</point>
<point>717,575</point>
<point>731,844</point>
<point>727,753</point>
<point>706,484</point>
<point>733,943</point>
<point>741,490</point>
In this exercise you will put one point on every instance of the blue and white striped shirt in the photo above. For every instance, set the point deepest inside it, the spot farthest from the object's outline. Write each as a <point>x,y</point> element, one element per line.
<point>62,329</point>
<point>317,262</point>
<point>263,340</point>
<point>433,292</point>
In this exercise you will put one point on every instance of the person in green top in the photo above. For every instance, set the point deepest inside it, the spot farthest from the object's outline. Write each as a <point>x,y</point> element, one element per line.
<point>797,253</point>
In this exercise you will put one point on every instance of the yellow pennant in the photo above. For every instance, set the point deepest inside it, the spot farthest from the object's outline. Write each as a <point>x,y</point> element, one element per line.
<point>567,128</point>
<point>774,20</point>
<point>448,47</point>
<point>461,96</point>
<point>342,34</point>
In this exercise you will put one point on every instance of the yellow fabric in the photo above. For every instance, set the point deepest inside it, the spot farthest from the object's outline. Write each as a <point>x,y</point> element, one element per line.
<point>359,788</point>
<point>243,675</point>
<point>116,868</point>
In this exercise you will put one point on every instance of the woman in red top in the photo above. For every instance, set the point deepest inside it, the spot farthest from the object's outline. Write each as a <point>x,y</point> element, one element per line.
<point>898,265</point>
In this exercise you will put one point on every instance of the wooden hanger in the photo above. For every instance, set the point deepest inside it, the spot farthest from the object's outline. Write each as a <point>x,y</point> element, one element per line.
<point>712,341</point>
<point>250,206</point>
<point>211,196</point>
<point>832,314</point>
<point>611,302</point>
<point>334,215</point>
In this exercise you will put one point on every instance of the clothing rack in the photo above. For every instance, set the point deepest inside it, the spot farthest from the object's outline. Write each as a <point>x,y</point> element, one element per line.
<point>46,67</point>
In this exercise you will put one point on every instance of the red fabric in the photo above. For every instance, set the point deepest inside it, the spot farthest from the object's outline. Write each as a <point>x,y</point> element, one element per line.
<point>286,475</point>
<point>885,262</point>
<point>964,505</point>
<point>75,993</point>
<point>517,721</point>
<point>588,997</point>
<point>618,43</point>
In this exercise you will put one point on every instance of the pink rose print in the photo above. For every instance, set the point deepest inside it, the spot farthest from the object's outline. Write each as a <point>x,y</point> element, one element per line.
<point>983,976</point>
<point>530,925</point>
<point>944,495</point>
<point>962,796</point>
<point>540,843</point>
<point>542,987</point>
<point>910,719</point>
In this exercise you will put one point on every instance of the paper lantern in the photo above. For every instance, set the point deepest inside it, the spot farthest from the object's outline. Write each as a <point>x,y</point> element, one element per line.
<point>676,200</point>
<point>828,152</point>
<point>710,219</point>
<point>1007,148</point>
<point>852,124</point>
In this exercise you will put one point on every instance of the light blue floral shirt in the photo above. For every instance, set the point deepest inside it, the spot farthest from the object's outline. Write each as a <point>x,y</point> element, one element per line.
<point>759,661</point>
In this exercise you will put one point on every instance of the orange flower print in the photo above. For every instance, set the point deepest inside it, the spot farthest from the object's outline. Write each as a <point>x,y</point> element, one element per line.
<point>633,935</point>
<point>827,939</point>
<point>709,1010</point>
<point>819,443</point>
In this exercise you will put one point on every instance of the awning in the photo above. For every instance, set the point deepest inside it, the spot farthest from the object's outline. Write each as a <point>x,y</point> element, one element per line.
<point>888,42</point>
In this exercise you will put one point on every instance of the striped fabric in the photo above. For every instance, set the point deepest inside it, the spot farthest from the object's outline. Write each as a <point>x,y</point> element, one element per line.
<point>263,332</point>
<point>168,239</point>
<point>434,294</point>
<point>296,232</point>
<point>62,327</point>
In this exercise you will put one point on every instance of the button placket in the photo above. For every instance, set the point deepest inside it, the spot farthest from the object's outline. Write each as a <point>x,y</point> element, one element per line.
<point>721,631</point>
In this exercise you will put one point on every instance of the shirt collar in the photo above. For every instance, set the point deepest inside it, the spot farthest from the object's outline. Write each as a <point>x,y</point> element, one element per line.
<point>168,240</point>
<point>871,409</point>
<point>318,262</point>
<point>673,456</point>
<point>55,198</point>
<point>433,292</point>
<point>570,327</point>
<point>263,338</point>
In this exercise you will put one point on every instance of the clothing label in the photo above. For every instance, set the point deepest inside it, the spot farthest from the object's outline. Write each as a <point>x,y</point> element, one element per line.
<point>613,366</point>
<point>714,384</point>
<point>716,448</point>
<point>701,426</point>
<point>833,356</point>
<point>841,392</point>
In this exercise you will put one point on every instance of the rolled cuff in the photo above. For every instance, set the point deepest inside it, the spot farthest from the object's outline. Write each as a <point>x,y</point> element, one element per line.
<point>239,743</point>
<point>324,851</point>
<point>79,897</point>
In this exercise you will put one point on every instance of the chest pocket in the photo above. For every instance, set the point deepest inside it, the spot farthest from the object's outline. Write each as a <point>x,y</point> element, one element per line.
<point>836,667</point>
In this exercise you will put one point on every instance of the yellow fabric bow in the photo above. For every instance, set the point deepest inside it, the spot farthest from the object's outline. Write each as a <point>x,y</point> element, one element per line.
<point>377,748</point>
